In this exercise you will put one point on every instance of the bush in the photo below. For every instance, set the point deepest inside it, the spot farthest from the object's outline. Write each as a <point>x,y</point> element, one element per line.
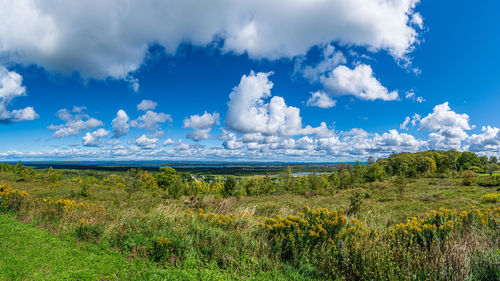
<point>491,197</point>
<point>84,189</point>
<point>12,199</point>
<point>52,176</point>
<point>229,187</point>
<point>400,182</point>
<point>294,237</point>
<point>489,181</point>
<point>355,201</point>
<point>87,232</point>
<point>468,178</point>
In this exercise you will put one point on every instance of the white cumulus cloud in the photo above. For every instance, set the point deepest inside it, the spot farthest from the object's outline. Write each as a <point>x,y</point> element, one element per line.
<point>320,99</point>
<point>109,38</point>
<point>448,128</point>
<point>359,82</point>
<point>76,121</point>
<point>146,141</point>
<point>146,104</point>
<point>248,111</point>
<point>10,88</point>
<point>487,141</point>
<point>150,120</point>
<point>94,138</point>
<point>120,124</point>
<point>202,125</point>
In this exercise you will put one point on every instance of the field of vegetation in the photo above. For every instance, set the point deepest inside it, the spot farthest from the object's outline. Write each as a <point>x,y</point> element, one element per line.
<point>430,215</point>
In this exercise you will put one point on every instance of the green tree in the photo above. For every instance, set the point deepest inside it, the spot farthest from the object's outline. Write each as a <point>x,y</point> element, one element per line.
<point>400,182</point>
<point>493,160</point>
<point>229,186</point>
<point>491,168</point>
<point>285,179</point>
<point>166,178</point>
<point>467,160</point>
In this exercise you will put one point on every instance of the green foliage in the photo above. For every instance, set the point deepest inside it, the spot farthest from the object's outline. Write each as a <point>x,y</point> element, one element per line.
<point>355,202</point>
<point>375,172</point>
<point>168,180</point>
<point>52,176</point>
<point>488,181</point>
<point>468,178</point>
<point>400,182</point>
<point>230,185</point>
<point>467,160</point>
<point>87,232</point>
<point>493,160</point>
<point>84,188</point>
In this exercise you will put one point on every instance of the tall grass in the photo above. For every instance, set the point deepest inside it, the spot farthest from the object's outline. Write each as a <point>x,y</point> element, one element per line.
<point>444,244</point>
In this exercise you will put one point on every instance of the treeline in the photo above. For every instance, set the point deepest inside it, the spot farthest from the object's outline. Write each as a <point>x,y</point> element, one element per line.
<point>394,170</point>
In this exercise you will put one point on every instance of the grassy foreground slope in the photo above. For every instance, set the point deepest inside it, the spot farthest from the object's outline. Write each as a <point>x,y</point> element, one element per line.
<point>29,253</point>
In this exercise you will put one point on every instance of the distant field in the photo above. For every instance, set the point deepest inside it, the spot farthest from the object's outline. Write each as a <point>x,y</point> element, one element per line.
<point>496,173</point>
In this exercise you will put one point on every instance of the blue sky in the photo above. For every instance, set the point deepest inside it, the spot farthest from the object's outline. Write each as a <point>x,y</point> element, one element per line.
<point>247,80</point>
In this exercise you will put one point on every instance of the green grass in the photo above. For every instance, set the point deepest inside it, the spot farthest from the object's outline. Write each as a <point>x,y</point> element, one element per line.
<point>30,253</point>
<point>496,173</point>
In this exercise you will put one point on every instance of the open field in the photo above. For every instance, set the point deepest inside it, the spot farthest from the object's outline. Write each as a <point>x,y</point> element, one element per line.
<point>335,226</point>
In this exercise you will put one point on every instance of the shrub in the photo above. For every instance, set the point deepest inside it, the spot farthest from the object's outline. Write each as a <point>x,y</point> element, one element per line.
<point>489,181</point>
<point>84,189</point>
<point>468,178</point>
<point>12,199</point>
<point>294,237</point>
<point>400,182</point>
<point>87,232</point>
<point>114,181</point>
<point>52,176</point>
<point>491,197</point>
<point>229,187</point>
<point>166,178</point>
<point>355,202</point>
<point>160,250</point>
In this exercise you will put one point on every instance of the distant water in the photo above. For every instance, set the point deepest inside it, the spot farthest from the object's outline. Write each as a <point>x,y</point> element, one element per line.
<point>174,164</point>
<point>301,174</point>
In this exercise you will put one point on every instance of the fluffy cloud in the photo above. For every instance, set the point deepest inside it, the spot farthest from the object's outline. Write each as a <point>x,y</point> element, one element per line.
<point>150,119</point>
<point>405,123</point>
<point>446,126</point>
<point>249,113</point>
<point>320,99</point>
<point>330,58</point>
<point>202,125</point>
<point>207,120</point>
<point>168,142</point>
<point>120,124</point>
<point>487,141</point>
<point>146,141</point>
<point>146,104</point>
<point>358,82</point>
<point>10,88</point>
<point>413,97</point>
<point>95,138</point>
<point>110,38</point>
<point>76,121</point>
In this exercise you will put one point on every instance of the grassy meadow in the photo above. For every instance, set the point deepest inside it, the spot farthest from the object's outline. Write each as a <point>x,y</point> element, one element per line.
<point>376,221</point>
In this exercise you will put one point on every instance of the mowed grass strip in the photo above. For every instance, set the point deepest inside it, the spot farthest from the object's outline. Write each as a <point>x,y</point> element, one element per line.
<point>29,253</point>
